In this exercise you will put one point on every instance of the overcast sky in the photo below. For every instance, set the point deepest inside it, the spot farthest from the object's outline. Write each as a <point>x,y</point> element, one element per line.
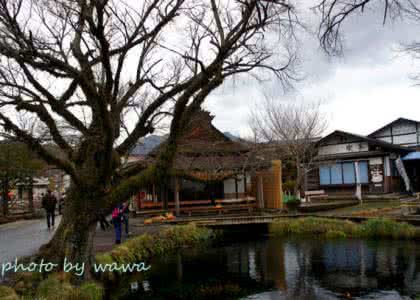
<point>367,87</point>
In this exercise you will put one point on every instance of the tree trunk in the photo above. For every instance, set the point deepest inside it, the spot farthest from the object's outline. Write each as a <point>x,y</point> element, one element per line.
<point>298,181</point>
<point>5,198</point>
<point>31,195</point>
<point>73,239</point>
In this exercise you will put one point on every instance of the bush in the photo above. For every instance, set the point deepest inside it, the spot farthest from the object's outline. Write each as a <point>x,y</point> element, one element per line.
<point>7,293</point>
<point>91,291</point>
<point>144,247</point>
<point>335,234</point>
<point>292,202</point>
<point>289,186</point>
<point>332,228</point>
<point>54,289</point>
<point>58,287</point>
<point>380,227</point>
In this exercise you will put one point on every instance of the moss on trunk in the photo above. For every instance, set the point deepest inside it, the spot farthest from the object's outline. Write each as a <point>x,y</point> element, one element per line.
<point>73,239</point>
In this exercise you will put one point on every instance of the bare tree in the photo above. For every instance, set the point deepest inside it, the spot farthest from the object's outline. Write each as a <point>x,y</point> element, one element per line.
<point>334,13</point>
<point>108,70</point>
<point>292,128</point>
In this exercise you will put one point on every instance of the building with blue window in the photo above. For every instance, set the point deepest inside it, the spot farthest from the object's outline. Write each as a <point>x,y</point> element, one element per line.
<point>341,153</point>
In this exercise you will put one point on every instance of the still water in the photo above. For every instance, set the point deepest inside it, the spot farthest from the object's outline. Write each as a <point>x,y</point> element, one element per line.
<point>274,268</point>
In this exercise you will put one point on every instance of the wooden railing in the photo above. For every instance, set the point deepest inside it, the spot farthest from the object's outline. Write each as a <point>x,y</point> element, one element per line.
<point>221,205</point>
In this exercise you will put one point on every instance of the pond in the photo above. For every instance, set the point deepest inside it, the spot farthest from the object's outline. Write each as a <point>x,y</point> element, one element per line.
<point>278,268</point>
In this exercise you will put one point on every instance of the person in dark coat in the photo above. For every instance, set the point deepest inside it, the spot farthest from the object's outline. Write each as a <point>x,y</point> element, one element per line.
<point>48,203</point>
<point>103,222</point>
<point>126,215</point>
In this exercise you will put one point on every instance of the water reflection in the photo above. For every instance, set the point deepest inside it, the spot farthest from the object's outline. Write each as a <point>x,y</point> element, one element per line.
<point>288,269</point>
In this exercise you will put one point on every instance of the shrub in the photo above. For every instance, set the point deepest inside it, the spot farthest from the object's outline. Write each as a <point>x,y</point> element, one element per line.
<point>335,234</point>
<point>289,186</point>
<point>292,202</point>
<point>372,228</point>
<point>54,289</point>
<point>380,227</point>
<point>146,246</point>
<point>7,293</point>
<point>91,291</point>
<point>57,287</point>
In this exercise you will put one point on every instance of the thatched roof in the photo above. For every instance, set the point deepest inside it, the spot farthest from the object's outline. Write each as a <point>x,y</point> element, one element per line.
<point>205,153</point>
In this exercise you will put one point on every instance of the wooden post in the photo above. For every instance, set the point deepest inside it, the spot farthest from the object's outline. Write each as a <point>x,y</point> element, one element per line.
<point>245,192</point>
<point>177,206</point>
<point>31,195</point>
<point>277,189</point>
<point>236,188</point>
<point>5,198</point>
<point>260,191</point>
<point>179,268</point>
<point>358,184</point>
<point>154,196</point>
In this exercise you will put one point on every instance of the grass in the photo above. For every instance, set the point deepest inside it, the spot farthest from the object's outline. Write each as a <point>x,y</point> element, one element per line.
<point>7,293</point>
<point>146,246</point>
<point>55,288</point>
<point>331,228</point>
<point>361,208</point>
<point>139,249</point>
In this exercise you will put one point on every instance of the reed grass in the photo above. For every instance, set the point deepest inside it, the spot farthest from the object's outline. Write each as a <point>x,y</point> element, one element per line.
<point>139,249</point>
<point>333,228</point>
<point>146,246</point>
<point>8,293</point>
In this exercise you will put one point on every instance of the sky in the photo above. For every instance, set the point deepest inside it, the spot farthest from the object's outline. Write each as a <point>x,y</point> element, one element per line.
<point>368,86</point>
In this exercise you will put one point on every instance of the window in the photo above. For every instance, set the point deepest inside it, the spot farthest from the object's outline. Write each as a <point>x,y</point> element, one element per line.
<point>324,175</point>
<point>336,174</point>
<point>363,172</point>
<point>394,170</point>
<point>343,173</point>
<point>349,174</point>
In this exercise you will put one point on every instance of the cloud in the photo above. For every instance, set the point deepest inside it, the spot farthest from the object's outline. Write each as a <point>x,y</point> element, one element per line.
<point>362,90</point>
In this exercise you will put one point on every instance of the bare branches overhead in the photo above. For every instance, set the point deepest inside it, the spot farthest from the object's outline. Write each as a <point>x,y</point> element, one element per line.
<point>107,71</point>
<point>334,13</point>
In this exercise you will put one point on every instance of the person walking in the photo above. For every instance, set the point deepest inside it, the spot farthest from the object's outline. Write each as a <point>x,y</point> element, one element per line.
<point>117,219</point>
<point>126,215</point>
<point>60,200</point>
<point>103,222</point>
<point>48,203</point>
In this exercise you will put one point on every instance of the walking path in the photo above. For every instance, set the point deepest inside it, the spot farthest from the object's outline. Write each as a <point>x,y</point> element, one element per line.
<point>22,238</point>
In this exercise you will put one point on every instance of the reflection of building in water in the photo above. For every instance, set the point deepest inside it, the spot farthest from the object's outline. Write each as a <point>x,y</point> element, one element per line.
<point>291,264</point>
<point>308,269</point>
<point>362,266</point>
<point>351,256</point>
<point>321,270</point>
<point>237,258</point>
<point>274,270</point>
<point>253,270</point>
<point>301,269</point>
<point>386,261</point>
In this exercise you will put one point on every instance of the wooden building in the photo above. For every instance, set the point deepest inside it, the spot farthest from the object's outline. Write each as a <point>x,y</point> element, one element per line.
<point>210,169</point>
<point>375,155</point>
<point>402,132</point>
<point>338,153</point>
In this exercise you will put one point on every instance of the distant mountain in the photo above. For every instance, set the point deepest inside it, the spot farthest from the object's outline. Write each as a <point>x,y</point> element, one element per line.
<point>231,136</point>
<point>147,144</point>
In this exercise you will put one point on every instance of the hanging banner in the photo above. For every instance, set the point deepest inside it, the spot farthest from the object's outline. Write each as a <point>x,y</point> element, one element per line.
<point>401,170</point>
